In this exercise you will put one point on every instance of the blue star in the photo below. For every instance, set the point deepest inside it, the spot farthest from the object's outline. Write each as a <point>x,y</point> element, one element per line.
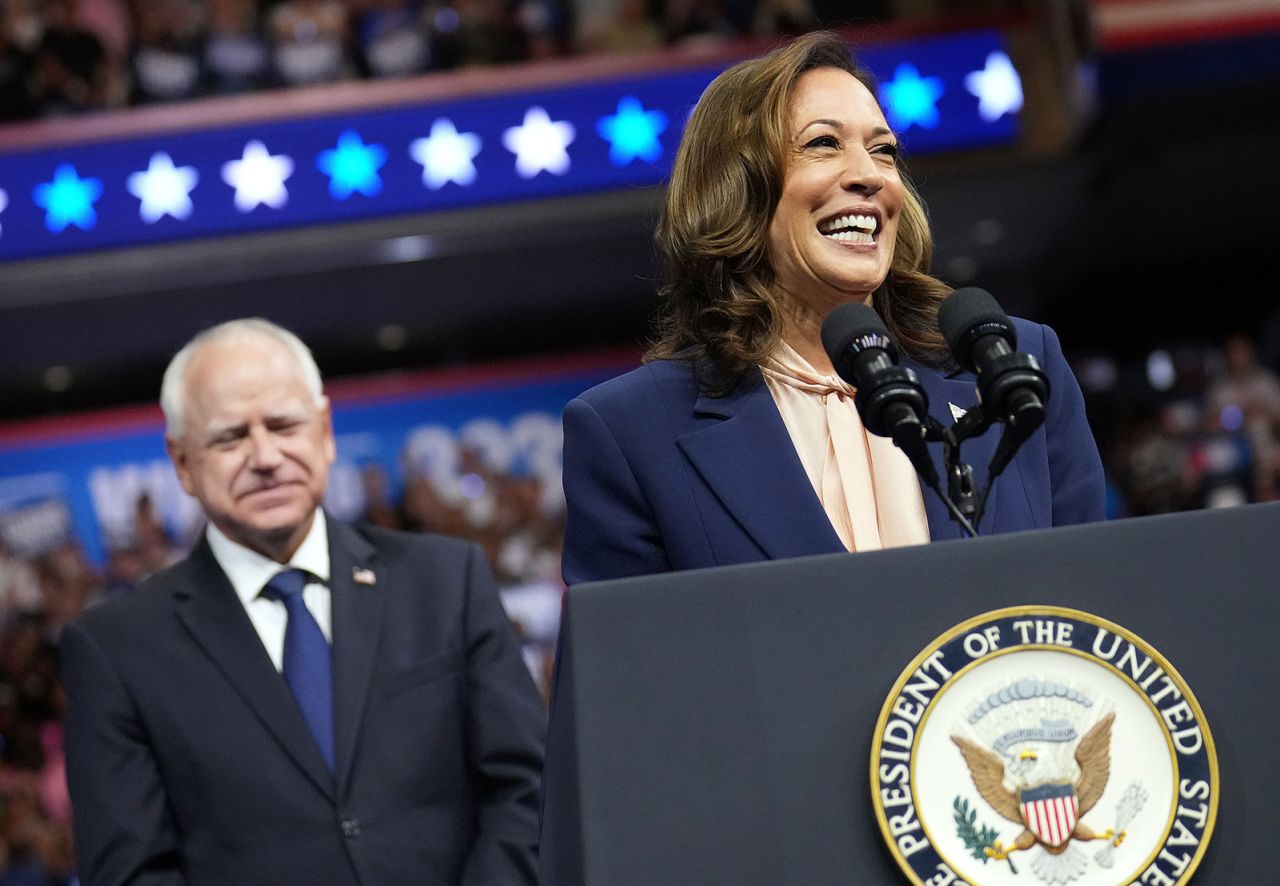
<point>632,132</point>
<point>911,99</point>
<point>68,199</point>
<point>352,166</point>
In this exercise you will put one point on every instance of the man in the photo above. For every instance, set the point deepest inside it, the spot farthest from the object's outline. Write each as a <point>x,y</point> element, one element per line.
<point>363,718</point>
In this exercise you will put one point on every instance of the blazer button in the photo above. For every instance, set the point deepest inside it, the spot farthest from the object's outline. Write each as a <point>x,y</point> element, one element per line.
<point>350,827</point>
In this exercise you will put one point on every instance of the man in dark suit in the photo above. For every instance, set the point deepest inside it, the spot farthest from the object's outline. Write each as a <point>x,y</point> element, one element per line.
<point>299,701</point>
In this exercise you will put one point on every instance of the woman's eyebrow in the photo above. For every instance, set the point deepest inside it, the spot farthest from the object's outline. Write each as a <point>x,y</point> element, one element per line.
<point>834,124</point>
<point>839,127</point>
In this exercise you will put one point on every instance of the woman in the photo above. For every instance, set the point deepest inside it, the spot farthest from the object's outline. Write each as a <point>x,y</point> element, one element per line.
<point>736,441</point>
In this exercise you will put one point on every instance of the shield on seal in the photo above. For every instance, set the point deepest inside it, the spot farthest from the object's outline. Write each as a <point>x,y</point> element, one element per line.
<point>1050,812</point>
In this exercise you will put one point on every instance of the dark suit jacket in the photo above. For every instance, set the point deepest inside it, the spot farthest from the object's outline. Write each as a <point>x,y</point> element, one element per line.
<point>659,476</point>
<point>189,762</point>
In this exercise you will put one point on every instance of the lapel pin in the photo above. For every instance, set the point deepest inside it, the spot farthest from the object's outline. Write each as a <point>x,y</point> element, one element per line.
<point>363,576</point>
<point>956,412</point>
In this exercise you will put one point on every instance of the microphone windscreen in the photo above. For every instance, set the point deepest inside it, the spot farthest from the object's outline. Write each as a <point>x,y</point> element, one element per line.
<point>967,315</point>
<point>847,324</point>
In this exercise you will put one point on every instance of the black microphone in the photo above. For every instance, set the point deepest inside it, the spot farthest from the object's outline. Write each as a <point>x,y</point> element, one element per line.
<point>889,398</point>
<point>1011,386</point>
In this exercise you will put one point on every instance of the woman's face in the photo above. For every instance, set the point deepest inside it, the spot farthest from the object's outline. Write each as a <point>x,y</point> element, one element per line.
<point>831,237</point>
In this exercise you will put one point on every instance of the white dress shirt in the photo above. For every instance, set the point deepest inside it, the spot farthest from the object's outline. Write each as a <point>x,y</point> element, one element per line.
<point>249,573</point>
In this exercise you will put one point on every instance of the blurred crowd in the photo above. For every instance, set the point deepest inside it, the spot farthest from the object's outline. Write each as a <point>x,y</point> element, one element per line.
<point>514,518</point>
<point>1202,431</point>
<point>60,57</point>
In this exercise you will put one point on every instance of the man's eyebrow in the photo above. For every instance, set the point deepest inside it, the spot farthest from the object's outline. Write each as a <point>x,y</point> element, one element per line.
<point>293,412</point>
<point>214,431</point>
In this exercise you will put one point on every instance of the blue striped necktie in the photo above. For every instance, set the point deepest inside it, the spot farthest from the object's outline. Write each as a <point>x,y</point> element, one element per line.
<point>306,659</point>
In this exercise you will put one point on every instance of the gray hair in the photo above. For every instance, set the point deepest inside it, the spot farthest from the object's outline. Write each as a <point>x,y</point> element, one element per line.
<point>173,389</point>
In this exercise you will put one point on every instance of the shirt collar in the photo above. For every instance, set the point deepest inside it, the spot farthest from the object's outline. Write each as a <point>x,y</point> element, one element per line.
<point>249,571</point>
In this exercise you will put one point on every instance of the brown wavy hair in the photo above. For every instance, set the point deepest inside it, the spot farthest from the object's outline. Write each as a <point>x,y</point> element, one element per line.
<point>719,310</point>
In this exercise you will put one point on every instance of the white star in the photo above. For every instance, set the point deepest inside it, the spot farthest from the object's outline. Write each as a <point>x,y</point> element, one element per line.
<point>539,144</point>
<point>163,188</point>
<point>258,177</point>
<point>4,201</point>
<point>997,86</point>
<point>446,155</point>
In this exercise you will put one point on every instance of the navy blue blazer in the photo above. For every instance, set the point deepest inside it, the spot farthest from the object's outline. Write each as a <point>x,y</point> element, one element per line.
<point>659,476</point>
<point>189,762</point>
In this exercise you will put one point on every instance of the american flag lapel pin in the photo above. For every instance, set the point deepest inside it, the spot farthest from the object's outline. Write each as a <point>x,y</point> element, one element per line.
<point>363,576</point>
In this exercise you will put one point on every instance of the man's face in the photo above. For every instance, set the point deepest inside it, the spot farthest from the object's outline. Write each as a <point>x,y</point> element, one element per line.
<point>255,448</point>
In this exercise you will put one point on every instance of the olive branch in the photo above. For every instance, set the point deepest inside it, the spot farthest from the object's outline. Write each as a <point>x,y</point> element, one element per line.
<point>976,839</point>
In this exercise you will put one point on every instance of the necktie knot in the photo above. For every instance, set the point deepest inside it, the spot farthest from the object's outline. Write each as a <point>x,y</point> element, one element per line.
<point>286,586</point>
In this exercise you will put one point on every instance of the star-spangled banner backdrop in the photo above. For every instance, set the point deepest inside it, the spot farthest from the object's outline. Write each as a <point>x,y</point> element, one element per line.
<point>939,93</point>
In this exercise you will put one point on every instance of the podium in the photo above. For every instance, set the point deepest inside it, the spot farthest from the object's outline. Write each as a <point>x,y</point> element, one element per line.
<point>716,726</point>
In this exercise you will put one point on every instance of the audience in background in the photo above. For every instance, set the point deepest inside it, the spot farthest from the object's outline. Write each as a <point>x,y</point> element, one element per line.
<point>310,42</point>
<point>1208,439</point>
<point>61,57</point>
<point>1245,398</point>
<point>236,56</point>
<point>392,39</point>
<point>17,67</point>
<point>73,72</point>
<point>164,63</point>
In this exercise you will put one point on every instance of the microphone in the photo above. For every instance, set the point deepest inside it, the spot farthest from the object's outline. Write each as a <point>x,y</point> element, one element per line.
<point>1011,386</point>
<point>890,399</point>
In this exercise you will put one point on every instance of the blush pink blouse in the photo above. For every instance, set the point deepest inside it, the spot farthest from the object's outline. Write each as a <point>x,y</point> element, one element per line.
<point>866,485</point>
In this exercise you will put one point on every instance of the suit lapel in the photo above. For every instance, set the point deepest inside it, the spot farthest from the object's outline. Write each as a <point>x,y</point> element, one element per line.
<point>961,391</point>
<point>208,607</point>
<point>746,456</point>
<point>357,622</point>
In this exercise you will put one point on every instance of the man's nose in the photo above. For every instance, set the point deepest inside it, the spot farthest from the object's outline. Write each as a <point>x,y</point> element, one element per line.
<point>264,450</point>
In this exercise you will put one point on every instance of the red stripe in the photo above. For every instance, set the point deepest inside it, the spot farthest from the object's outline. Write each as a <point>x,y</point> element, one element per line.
<point>1041,827</point>
<point>1126,39</point>
<point>1064,828</point>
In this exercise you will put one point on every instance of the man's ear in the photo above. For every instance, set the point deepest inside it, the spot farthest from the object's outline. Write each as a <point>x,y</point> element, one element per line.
<point>178,455</point>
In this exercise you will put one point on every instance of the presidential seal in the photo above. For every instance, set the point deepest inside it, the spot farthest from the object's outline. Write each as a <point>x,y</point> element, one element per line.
<point>1040,745</point>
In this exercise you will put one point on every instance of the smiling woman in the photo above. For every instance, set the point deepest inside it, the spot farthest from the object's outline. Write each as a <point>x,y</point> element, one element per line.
<point>832,236</point>
<point>737,441</point>
<point>769,138</point>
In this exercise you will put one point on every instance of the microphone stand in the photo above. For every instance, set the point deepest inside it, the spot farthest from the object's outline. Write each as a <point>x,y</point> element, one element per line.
<point>963,500</point>
<point>960,498</point>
